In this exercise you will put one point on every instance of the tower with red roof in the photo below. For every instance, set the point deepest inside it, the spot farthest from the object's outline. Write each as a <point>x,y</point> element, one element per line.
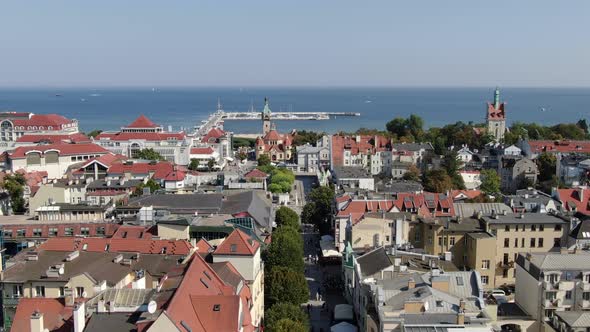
<point>496,118</point>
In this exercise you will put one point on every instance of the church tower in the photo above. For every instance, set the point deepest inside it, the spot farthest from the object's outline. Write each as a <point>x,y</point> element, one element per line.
<point>496,118</point>
<point>266,113</point>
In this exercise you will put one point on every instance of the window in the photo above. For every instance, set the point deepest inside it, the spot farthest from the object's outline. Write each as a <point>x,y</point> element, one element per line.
<point>504,273</point>
<point>533,228</point>
<point>522,242</point>
<point>552,278</point>
<point>100,231</point>
<point>515,243</point>
<point>37,232</point>
<point>386,238</point>
<point>586,296</point>
<point>516,228</point>
<point>506,242</point>
<point>20,232</point>
<point>507,228</point>
<point>52,231</point>
<point>452,241</point>
<point>587,278</point>
<point>557,227</point>
<point>484,280</point>
<point>17,290</point>
<point>550,295</point>
<point>417,237</point>
<point>69,231</point>
<point>40,291</point>
<point>85,231</point>
<point>62,291</point>
<point>79,291</point>
<point>568,295</point>
<point>540,242</point>
<point>485,264</point>
<point>233,248</point>
<point>557,242</point>
<point>533,242</point>
<point>541,228</point>
<point>8,233</point>
<point>440,240</point>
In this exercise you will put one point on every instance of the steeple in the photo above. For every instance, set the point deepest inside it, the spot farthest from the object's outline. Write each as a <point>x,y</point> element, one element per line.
<point>266,113</point>
<point>497,98</point>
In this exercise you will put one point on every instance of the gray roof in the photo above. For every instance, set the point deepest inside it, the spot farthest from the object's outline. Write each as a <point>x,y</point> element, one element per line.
<point>412,146</point>
<point>467,210</point>
<point>374,261</point>
<point>556,261</point>
<point>225,272</point>
<point>100,322</point>
<point>401,186</point>
<point>575,318</point>
<point>526,218</point>
<point>582,230</point>
<point>181,204</point>
<point>175,220</point>
<point>347,172</point>
<point>254,202</point>
<point>310,149</point>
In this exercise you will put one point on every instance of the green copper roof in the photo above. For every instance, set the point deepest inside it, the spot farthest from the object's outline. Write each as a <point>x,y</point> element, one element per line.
<point>266,110</point>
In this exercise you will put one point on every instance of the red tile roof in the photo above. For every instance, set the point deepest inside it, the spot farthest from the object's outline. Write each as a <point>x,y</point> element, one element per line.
<point>33,178</point>
<point>109,228</point>
<point>575,200</point>
<point>175,176</point>
<point>207,150</point>
<point>132,232</point>
<point>63,149</point>
<point>142,122</point>
<point>237,243</point>
<point>57,138</point>
<point>564,146</point>
<point>469,194</point>
<point>362,144</point>
<point>203,246</point>
<point>56,316</point>
<point>213,135</point>
<point>255,173</point>
<point>106,160</point>
<point>496,114</point>
<point>124,136</point>
<point>43,121</point>
<point>272,135</point>
<point>144,246</point>
<point>160,169</point>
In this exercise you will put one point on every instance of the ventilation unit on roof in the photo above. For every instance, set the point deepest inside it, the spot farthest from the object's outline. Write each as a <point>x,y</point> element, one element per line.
<point>73,255</point>
<point>216,307</point>
<point>118,258</point>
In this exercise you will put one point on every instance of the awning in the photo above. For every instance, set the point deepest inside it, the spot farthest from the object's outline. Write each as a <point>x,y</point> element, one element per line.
<point>343,327</point>
<point>343,312</point>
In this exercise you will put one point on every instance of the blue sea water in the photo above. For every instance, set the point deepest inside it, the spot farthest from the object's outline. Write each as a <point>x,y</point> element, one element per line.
<point>109,109</point>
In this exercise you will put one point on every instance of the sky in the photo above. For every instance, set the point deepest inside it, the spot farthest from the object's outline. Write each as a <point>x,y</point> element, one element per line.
<point>110,43</point>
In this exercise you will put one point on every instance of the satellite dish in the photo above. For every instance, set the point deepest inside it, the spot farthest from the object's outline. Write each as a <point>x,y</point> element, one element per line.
<point>152,306</point>
<point>84,294</point>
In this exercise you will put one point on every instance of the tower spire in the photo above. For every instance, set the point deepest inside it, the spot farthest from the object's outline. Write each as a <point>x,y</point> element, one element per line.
<point>497,98</point>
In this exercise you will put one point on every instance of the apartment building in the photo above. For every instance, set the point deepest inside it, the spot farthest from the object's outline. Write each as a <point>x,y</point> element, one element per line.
<point>311,159</point>
<point>516,172</point>
<point>518,233</point>
<point>548,284</point>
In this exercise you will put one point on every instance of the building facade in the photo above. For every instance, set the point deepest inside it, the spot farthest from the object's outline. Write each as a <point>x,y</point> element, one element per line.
<point>496,118</point>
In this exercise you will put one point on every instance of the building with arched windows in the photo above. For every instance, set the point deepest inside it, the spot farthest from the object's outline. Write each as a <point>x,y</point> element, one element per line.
<point>14,126</point>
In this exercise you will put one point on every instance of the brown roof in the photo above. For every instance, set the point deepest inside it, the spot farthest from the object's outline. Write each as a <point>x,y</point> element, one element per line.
<point>256,173</point>
<point>237,243</point>
<point>56,316</point>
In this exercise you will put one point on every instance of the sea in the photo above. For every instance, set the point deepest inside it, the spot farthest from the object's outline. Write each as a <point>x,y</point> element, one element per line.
<point>185,108</point>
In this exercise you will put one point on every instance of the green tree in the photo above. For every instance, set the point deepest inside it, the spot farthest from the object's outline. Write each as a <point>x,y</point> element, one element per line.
<point>94,133</point>
<point>281,311</point>
<point>239,142</point>
<point>285,249</point>
<point>287,325</point>
<point>149,154</point>
<point>284,285</point>
<point>318,210</point>
<point>437,181</point>
<point>414,125</point>
<point>242,155</point>
<point>284,216</point>
<point>452,164</point>
<point>263,160</point>
<point>397,127</point>
<point>193,165</point>
<point>547,166</point>
<point>210,164</point>
<point>490,181</point>
<point>413,174</point>
<point>15,186</point>
<point>151,183</point>
<point>306,137</point>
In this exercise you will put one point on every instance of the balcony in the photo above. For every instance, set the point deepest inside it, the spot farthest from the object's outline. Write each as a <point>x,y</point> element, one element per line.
<point>550,303</point>
<point>10,301</point>
<point>550,285</point>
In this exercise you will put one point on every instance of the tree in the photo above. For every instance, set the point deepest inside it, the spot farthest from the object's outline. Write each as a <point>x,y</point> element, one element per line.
<point>490,182</point>
<point>242,155</point>
<point>285,249</point>
<point>306,137</point>
<point>397,127</point>
<point>318,210</point>
<point>210,164</point>
<point>284,216</point>
<point>94,133</point>
<point>284,285</point>
<point>413,174</point>
<point>452,164</point>
<point>547,166</point>
<point>238,142</point>
<point>194,164</point>
<point>15,186</point>
<point>582,124</point>
<point>149,154</point>
<point>151,183</point>
<point>263,160</point>
<point>437,181</point>
<point>287,325</point>
<point>288,311</point>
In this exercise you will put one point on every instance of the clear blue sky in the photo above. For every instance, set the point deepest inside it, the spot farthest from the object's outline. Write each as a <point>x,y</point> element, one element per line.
<point>294,43</point>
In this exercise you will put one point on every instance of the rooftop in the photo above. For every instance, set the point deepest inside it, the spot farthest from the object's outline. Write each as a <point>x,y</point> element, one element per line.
<point>525,218</point>
<point>349,172</point>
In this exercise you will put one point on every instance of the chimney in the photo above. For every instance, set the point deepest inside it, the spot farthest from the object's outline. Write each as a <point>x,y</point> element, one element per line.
<point>37,322</point>
<point>101,307</point>
<point>79,317</point>
<point>461,318</point>
<point>462,304</point>
<point>411,283</point>
<point>70,297</point>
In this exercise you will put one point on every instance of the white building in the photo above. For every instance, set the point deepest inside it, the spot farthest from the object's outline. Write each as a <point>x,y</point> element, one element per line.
<point>14,125</point>
<point>144,134</point>
<point>464,154</point>
<point>53,158</point>
<point>472,179</point>
<point>311,159</point>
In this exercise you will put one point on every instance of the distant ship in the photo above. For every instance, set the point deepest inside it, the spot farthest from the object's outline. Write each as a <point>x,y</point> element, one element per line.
<point>95,95</point>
